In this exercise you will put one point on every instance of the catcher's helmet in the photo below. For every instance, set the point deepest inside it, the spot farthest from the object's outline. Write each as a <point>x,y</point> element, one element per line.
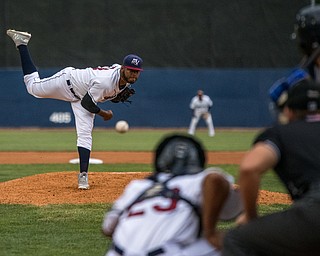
<point>179,155</point>
<point>307,28</point>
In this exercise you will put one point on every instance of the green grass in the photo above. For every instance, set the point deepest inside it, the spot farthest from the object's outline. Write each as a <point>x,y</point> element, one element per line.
<point>109,140</point>
<point>76,229</point>
<point>15,171</point>
<point>52,230</point>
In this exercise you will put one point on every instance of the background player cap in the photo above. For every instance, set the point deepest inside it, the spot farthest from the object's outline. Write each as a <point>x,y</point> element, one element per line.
<point>132,61</point>
<point>304,96</point>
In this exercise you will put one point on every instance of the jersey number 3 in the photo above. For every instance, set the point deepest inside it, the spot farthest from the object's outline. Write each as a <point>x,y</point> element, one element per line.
<point>156,207</point>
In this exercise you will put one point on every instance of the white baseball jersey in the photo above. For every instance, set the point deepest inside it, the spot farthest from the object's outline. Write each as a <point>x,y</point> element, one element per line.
<point>201,110</point>
<point>71,84</point>
<point>102,83</point>
<point>157,221</point>
<point>200,107</point>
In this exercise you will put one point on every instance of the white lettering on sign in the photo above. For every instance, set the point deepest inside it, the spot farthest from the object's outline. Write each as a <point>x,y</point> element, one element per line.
<point>60,117</point>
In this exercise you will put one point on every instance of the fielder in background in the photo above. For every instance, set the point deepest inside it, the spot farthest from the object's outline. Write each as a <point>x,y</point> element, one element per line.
<point>84,89</point>
<point>200,106</point>
<point>292,151</point>
<point>176,209</point>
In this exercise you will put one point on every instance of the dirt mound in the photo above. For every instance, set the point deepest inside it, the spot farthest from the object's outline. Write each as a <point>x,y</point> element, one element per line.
<point>105,187</point>
<point>61,187</point>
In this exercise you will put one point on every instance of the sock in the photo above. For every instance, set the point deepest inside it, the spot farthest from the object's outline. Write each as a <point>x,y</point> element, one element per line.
<point>26,62</point>
<point>84,156</point>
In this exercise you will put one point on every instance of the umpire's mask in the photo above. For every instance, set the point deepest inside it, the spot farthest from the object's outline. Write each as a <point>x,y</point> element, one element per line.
<point>179,155</point>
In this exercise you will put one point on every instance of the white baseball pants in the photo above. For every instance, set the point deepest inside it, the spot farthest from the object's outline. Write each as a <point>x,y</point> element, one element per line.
<point>199,248</point>
<point>195,120</point>
<point>56,87</point>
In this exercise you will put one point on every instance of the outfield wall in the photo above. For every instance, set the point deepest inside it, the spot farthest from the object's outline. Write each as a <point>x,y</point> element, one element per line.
<point>162,99</point>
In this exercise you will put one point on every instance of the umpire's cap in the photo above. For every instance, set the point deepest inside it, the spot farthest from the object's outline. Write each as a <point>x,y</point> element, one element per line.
<point>132,61</point>
<point>305,95</point>
<point>179,154</point>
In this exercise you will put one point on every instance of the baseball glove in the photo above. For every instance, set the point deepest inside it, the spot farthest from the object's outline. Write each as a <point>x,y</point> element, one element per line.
<point>205,115</point>
<point>124,95</point>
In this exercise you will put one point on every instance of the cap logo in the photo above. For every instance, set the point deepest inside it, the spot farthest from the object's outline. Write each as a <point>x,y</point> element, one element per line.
<point>135,62</point>
<point>132,62</point>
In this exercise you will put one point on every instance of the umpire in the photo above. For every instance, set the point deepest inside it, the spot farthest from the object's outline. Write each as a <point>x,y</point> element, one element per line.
<point>292,150</point>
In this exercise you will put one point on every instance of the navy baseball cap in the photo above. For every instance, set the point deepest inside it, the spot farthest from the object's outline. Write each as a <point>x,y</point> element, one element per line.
<point>132,61</point>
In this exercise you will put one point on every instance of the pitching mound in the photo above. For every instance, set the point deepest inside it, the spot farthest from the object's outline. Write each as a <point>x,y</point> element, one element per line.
<point>105,187</point>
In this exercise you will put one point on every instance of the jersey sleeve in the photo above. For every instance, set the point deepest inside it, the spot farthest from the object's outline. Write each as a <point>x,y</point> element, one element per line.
<point>209,102</point>
<point>111,218</point>
<point>89,105</point>
<point>271,137</point>
<point>192,103</point>
<point>100,93</point>
<point>104,84</point>
<point>131,192</point>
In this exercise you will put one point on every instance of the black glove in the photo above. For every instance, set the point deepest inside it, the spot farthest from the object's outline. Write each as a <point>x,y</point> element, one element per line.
<point>124,95</point>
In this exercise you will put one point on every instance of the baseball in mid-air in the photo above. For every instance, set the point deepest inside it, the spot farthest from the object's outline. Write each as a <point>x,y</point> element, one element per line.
<point>122,126</point>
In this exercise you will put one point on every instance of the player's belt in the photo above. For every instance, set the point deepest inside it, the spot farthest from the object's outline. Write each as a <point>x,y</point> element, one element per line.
<point>71,90</point>
<point>156,252</point>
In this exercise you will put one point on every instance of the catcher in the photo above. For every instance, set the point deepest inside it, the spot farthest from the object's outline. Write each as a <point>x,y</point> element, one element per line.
<point>176,209</point>
<point>84,89</point>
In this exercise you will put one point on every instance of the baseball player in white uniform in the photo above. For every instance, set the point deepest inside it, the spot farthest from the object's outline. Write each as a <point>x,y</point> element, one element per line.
<point>83,88</point>
<point>175,211</point>
<point>200,106</point>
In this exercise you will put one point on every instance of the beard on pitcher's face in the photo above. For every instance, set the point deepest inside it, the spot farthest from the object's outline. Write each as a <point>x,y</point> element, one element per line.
<point>130,75</point>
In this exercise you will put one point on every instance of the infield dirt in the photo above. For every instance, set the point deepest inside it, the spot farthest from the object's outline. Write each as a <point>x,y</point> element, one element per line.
<point>61,187</point>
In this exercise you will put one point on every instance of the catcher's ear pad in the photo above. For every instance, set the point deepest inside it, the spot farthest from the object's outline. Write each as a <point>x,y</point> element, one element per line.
<point>233,206</point>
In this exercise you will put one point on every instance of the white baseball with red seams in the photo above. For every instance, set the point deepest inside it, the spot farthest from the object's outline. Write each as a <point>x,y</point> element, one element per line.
<point>122,126</point>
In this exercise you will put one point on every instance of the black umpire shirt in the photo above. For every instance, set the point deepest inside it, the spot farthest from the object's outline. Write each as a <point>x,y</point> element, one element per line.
<point>298,147</point>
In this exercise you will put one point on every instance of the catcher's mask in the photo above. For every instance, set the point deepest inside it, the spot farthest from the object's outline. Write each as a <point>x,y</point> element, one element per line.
<point>179,155</point>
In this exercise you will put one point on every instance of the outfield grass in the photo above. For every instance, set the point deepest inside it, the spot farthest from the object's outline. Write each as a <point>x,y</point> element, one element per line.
<point>109,140</point>
<point>75,229</point>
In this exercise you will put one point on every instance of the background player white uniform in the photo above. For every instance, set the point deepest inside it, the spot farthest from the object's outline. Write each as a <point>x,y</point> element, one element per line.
<point>200,105</point>
<point>168,225</point>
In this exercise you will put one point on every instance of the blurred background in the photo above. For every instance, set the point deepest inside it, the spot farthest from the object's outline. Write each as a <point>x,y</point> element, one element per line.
<point>233,50</point>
